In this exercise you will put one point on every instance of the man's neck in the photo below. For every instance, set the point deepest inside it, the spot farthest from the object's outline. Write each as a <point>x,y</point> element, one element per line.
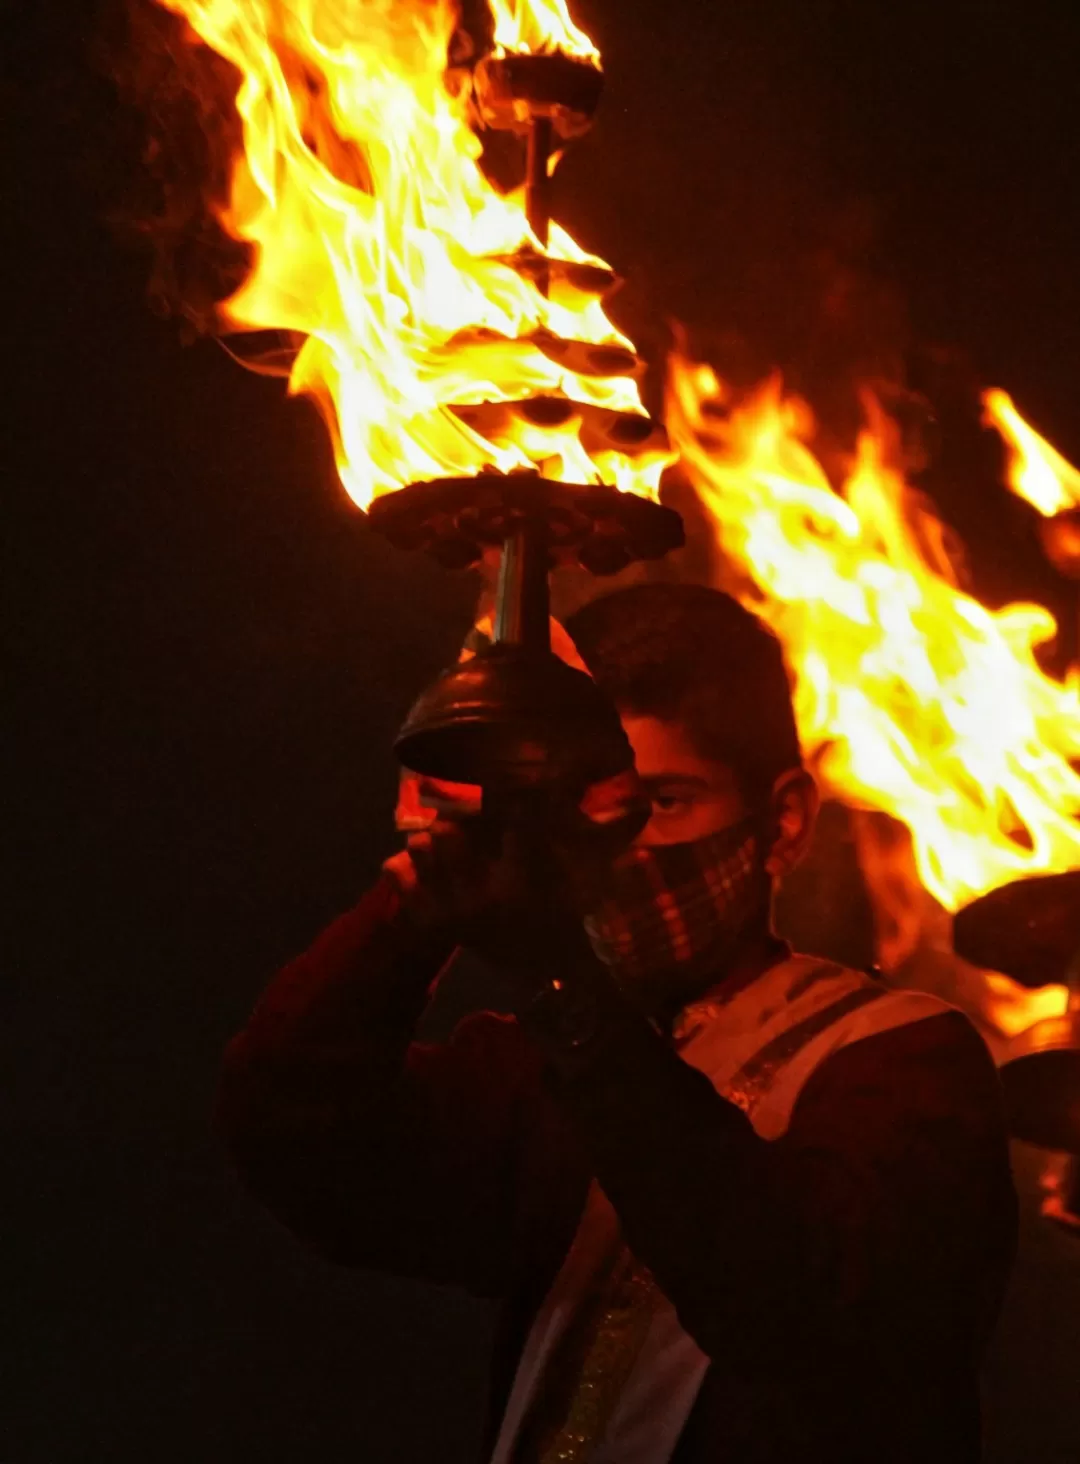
<point>755,954</point>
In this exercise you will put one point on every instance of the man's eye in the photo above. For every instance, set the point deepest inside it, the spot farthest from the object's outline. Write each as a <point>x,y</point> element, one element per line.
<point>669,802</point>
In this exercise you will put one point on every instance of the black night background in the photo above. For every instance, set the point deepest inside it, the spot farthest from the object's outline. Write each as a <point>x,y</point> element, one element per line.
<point>211,654</point>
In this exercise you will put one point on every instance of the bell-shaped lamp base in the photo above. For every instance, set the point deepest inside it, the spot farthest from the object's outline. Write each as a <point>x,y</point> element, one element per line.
<point>513,718</point>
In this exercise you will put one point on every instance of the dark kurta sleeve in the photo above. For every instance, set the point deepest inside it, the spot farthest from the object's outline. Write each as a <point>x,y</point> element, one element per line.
<point>880,1226</point>
<point>377,1150</point>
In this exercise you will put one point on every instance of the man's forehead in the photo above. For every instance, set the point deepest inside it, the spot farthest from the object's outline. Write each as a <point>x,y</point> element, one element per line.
<point>664,750</point>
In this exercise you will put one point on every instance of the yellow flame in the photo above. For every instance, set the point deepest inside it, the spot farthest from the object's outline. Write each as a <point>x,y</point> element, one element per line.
<point>1036,471</point>
<point>911,697</point>
<point>1013,1008</point>
<point>539,26</point>
<point>913,940</point>
<point>385,252</point>
<point>382,250</point>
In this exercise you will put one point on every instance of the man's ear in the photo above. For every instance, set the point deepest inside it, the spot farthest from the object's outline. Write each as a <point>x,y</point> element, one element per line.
<point>794,803</point>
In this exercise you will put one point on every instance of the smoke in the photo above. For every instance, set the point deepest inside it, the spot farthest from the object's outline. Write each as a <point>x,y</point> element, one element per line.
<point>177,132</point>
<point>179,127</point>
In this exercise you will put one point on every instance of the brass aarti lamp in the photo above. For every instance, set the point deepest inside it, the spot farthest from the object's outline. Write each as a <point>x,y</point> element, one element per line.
<point>516,718</point>
<point>1031,931</point>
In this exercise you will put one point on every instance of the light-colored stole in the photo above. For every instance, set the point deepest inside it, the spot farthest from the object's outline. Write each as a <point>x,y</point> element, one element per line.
<point>607,1375</point>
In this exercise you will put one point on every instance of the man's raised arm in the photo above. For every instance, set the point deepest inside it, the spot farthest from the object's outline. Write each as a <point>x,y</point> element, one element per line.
<point>374,1149</point>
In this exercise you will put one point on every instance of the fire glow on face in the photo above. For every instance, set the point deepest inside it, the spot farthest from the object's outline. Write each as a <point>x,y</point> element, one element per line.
<point>389,259</point>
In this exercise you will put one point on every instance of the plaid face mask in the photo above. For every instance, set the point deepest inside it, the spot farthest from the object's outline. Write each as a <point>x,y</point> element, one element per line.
<point>672,905</point>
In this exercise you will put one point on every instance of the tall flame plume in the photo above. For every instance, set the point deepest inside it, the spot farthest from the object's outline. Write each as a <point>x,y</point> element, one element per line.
<point>911,697</point>
<point>388,258</point>
<point>392,265</point>
<point>539,26</point>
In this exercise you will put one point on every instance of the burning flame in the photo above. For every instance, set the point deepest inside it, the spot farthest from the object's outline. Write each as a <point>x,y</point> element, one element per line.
<point>1012,1008</point>
<point>539,26</point>
<point>392,264</point>
<point>911,697</point>
<point>405,285</point>
<point>1036,471</point>
<point>913,939</point>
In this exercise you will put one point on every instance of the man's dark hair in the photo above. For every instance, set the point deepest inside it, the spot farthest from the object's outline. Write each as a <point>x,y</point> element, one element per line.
<point>692,655</point>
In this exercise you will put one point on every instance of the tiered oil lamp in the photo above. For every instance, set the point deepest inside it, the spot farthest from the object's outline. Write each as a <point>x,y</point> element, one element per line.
<point>1031,931</point>
<point>516,719</point>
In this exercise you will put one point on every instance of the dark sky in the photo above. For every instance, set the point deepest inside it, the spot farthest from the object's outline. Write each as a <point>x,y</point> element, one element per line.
<point>211,655</point>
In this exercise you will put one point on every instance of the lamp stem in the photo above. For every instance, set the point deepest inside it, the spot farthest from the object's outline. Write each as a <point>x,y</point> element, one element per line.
<point>522,595</point>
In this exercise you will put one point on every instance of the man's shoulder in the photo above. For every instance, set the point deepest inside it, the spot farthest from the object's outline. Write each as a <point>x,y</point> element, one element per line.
<point>800,1003</point>
<point>933,1063</point>
<point>933,1034</point>
<point>854,1041</point>
<point>850,1006</point>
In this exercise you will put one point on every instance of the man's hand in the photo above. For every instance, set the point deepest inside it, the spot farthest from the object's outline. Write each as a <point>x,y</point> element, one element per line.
<point>448,876</point>
<point>513,886</point>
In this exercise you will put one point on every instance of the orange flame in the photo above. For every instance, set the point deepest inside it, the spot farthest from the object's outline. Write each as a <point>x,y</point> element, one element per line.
<point>399,273</point>
<point>538,26</point>
<point>1012,1008</point>
<point>1036,471</point>
<point>911,697</point>
<point>388,257</point>
<point>914,941</point>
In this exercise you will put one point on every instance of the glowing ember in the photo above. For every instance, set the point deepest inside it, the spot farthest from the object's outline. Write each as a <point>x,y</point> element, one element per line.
<point>1036,471</point>
<point>911,697</point>
<point>384,252</point>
